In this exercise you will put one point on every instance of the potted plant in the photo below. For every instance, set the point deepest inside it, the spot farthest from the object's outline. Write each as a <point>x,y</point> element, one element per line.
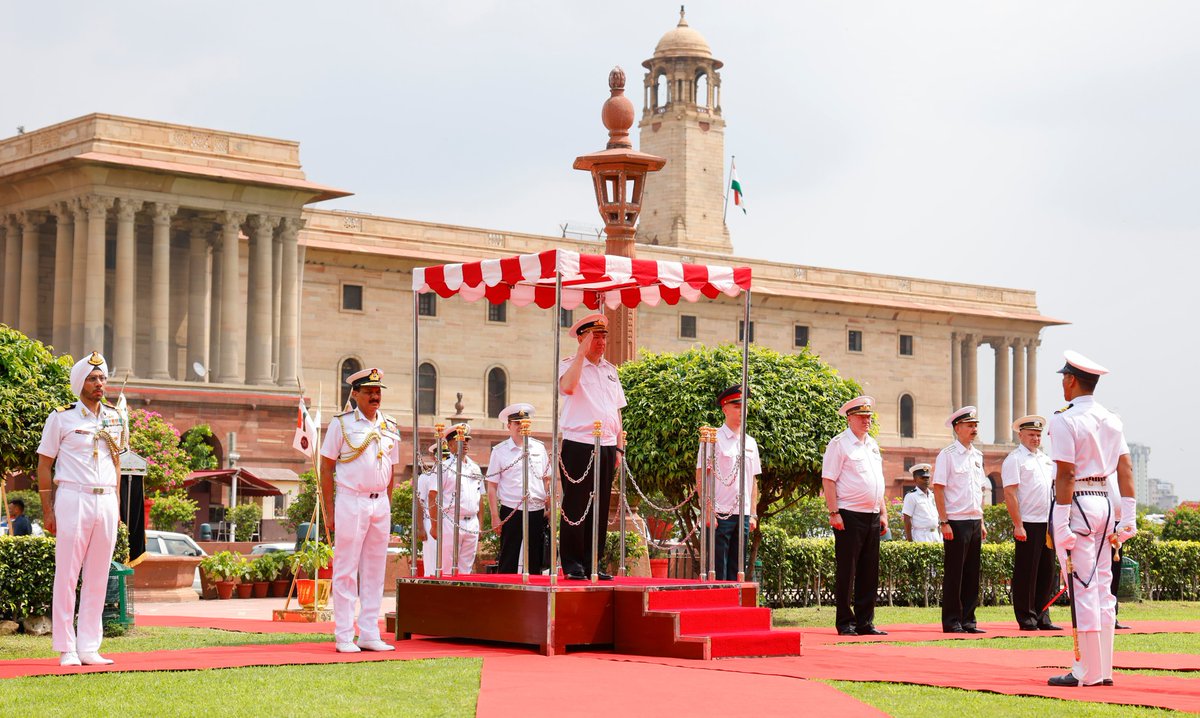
<point>245,586</point>
<point>635,548</point>
<point>223,567</point>
<point>263,571</point>
<point>271,569</point>
<point>312,558</point>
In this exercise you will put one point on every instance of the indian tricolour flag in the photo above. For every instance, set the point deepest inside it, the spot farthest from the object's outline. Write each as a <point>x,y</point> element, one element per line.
<point>739,200</point>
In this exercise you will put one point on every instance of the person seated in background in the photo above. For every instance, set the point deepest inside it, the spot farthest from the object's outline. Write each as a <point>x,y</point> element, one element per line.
<point>18,521</point>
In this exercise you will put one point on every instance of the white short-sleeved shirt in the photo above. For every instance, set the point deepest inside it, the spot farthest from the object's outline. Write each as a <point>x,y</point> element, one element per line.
<point>959,469</point>
<point>371,470</point>
<point>920,507</point>
<point>727,479</point>
<point>426,482</point>
<point>506,471</point>
<point>857,469</point>
<point>597,397</point>
<point>472,487</point>
<point>1032,472</point>
<point>1089,436</point>
<point>73,437</point>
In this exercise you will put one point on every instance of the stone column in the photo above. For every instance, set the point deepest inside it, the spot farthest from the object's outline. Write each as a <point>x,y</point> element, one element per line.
<point>289,301</point>
<point>93,277</point>
<point>121,363</point>
<point>27,311</point>
<point>12,269</point>
<point>955,371</point>
<point>214,308</point>
<point>78,270</point>
<point>64,242</point>
<point>1031,375</point>
<point>1018,374</point>
<point>160,291</point>
<point>258,324</point>
<point>970,389</point>
<point>199,273</point>
<point>232,328</point>
<point>276,297</point>
<point>1003,396</point>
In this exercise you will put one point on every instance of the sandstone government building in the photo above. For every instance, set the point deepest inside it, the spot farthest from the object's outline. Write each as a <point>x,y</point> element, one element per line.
<point>201,263</point>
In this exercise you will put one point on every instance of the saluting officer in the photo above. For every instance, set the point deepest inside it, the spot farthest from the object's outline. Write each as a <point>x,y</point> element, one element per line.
<point>81,442</point>
<point>472,494</point>
<point>729,509</point>
<point>364,445</point>
<point>920,510</point>
<point>505,482</point>
<point>1087,444</point>
<point>590,391</point>
<point>958,485</point>
<point>1028,477</point>
<point>852,477</point>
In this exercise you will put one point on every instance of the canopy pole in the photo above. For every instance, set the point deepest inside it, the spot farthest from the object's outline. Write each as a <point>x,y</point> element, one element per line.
<point>742,447</point>
<point>416,427</point>
<point>555,444</point>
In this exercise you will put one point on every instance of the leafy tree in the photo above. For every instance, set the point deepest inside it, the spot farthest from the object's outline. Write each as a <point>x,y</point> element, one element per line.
<point>199,451</point>
<point>998,522</point>
<point>806,518</point>
<point>153,438</point>
<point>791,412</point>
<point>301,509</point>
<point>170,510</point>
<point>33,383</point>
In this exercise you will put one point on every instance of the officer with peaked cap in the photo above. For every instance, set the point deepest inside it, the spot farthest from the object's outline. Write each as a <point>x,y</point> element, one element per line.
<point>360,452</point>
<point>81,442</point>
<point>590,391</point>
<point>1087,444</point>
<point>920,510</point>
<point>729,509</point>
<point>852,477</point>
<point>1028,478</point>
<point>505,482</point>
<point>426,483</point>
<point>958,486</point>
<point>469,506</point>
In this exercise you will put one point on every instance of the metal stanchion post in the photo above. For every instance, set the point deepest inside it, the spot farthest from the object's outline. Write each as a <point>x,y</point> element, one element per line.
<point>596,533</point>
<point>621,505</point>
<point>436,523</point>
<point>459,436</point>
<point>712,504</point>
<point>703,494</point>
<point>525,423</point>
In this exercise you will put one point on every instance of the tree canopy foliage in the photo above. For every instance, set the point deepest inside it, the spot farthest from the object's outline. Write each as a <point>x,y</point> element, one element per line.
<point>33,383</point>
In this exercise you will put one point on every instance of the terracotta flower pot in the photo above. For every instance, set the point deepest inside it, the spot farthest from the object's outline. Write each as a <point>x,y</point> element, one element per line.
<point>658,567</point>
<point>261,588</point>
<point>279,588</point>
<point>245,590</point>
<point>225,590</point>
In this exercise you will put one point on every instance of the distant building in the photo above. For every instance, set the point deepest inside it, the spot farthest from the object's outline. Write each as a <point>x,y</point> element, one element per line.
<point>1140,454</point>
<point>1161,494</point>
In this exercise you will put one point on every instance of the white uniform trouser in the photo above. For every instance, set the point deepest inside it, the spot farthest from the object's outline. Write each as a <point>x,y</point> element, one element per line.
<point>1095,606</point>
<point>929,535</point>
<point>428,549</point>
<point>363,526</point>
<point>87,533</point>
<point>468,538</point>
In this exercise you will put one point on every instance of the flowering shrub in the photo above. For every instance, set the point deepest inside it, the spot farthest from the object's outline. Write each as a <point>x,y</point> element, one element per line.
<point>1182,524</point>
<point>155,440</point>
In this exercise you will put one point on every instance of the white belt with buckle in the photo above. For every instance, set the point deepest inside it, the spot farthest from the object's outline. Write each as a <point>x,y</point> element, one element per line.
<point>81,489</point>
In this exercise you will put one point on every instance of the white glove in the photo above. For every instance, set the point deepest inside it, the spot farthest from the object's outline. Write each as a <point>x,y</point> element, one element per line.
<point>1127,527</point>
<point>1064,537</point>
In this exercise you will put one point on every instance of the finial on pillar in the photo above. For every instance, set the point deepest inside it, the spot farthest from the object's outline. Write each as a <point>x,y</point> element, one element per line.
<point>617,113</point>
<point>682,19</point>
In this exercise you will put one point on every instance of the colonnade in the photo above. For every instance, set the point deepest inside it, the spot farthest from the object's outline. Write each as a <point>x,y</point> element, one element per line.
<point>1016,358</point>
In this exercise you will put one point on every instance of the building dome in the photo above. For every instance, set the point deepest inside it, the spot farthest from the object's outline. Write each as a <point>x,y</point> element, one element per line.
<point>683,41</point>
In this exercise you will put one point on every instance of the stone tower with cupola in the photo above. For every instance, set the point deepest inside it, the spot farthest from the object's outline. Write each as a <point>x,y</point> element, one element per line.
<point>681,121</point>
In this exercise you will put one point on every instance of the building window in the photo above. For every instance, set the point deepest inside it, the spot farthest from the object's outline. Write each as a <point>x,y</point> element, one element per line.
<point>906,416</point>
<point>687,326</point>
<point>566,317</point>
<point>427,305</point>
<point>909,462</point>
<point>497,391</point>
<point>427,389</point>
<point>800,338</point>
<point>352,297</point>
<point>906,345</point>
<point>742,330</point>
<point>854,342</point>
<point>497,312</point>
<point>349,366</point>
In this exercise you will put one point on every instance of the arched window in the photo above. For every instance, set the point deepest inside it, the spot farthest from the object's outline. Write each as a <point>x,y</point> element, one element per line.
<point>662,91</point>
<point>497,391</point>
<point>349,366</point>
<point>426,389</point>
<point>702,89</point>
<point>906,416</point>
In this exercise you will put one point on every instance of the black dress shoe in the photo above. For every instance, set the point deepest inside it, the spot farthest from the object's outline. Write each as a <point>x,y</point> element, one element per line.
<point>847,632</point>
<point>1028,628</point>
<point>1106,682</point>
<point>1049,627</point>
<point>576,577</point>
<point>973,629</point>
<point>1121,626</point>
<point>604,576</point>
<point>1066,680</point>
<point>954,629</point>
<point>871,631</point>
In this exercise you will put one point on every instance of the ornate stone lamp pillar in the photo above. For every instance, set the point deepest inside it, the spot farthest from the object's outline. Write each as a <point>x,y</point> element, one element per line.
<point>618,175</point>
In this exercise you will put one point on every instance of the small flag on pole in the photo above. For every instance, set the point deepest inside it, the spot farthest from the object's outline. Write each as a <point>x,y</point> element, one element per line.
<point>306,432</point>
<point>739,200</point>
<point>122,408</point>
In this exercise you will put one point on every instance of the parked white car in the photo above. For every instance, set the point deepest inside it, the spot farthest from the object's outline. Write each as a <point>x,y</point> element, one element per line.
<point>169,543</point>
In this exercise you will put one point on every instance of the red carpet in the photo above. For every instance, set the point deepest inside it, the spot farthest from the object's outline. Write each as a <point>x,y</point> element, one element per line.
<point>912,632</point>
<point>583,687</point>
<point>243,625</point>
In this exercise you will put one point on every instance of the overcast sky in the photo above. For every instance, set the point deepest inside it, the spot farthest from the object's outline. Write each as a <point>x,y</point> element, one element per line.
<point>1045,145</point>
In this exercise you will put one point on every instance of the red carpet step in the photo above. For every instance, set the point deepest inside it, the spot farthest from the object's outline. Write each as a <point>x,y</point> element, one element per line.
<point>697,622</point>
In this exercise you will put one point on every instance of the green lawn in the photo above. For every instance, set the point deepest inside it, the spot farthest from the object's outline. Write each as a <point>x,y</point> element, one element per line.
<point>887,615</point>
<point>437,687</point>
<point>155,638</point>
<point>1138,642</point>
<point>907,701</point>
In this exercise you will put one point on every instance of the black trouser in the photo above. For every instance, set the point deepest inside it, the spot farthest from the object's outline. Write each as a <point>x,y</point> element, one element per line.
<point>856,548</point>
<point>1116,584</point>
<point>575,542</point>
<point>960,574</point>
<point>725,549</point>
<point>1034,577</point>
<point>510,540</point>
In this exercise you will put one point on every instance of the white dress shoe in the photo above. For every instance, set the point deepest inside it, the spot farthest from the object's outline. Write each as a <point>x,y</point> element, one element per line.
<point>347,647</point>
<point>69,658</point>
<point>94,659</point>
<point>376,645</point>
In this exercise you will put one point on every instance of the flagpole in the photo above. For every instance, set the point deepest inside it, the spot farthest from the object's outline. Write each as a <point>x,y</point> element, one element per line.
<point>728,185</point>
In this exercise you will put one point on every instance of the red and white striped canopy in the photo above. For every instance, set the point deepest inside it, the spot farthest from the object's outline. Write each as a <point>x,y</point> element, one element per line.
<point>588,279</point>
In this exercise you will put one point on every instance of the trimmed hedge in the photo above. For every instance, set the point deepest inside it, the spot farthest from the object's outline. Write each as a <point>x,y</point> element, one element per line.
<point>27,573</point>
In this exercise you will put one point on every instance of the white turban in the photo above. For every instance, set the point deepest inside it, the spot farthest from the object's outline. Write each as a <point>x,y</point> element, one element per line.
<point>83,367</point>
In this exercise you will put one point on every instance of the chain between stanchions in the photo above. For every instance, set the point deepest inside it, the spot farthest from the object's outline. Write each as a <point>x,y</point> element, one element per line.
<point>644,532</point>
<point>651,504</point>
<point>586,510</point>
<point>567,476</point>
<point>733,475</point>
